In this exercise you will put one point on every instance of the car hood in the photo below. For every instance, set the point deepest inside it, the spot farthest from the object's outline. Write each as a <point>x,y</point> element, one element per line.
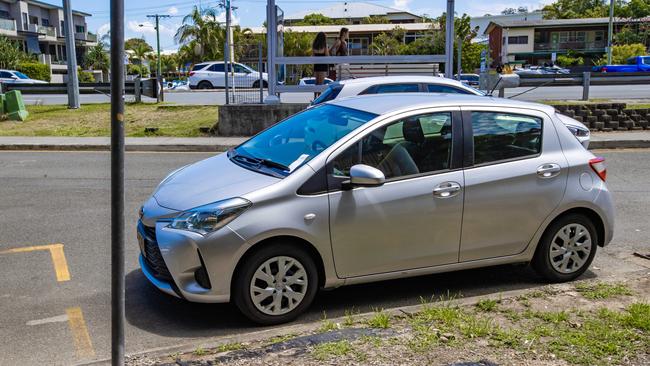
<point>207,181</point>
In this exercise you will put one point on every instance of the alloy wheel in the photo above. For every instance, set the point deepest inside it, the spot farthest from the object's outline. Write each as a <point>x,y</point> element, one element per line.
<point>278,285</point>
<point>570,248</point>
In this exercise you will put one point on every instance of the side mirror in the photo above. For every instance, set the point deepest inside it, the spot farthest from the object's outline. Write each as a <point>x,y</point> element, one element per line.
<point>14,77</point>
<point>364,176</point>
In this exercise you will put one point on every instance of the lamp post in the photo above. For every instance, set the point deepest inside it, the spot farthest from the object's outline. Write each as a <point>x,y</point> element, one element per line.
<point>161,97</point>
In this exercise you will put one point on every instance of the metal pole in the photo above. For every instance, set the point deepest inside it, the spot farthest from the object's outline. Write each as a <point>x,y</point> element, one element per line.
<point>225,71</point>
<point>271,45</point>
<point>610,31</point>
<point>449,40</point>
<point>586,80</point>
<point>259,70</point>
<point>226,52</point>
<point>117,182</point>
<point>459,67</point>
<point>71,55</point>
<point>161,97</point>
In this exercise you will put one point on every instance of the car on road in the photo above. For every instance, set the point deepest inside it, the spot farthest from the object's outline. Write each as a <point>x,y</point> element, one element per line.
<point>542,70</point>
<point>17,77</point>
<point>422,84</point>
<point>312,81</point>
<point>632,64</point>
<point>210,75</point>
<point>469,79</point>
<point>374,188</point>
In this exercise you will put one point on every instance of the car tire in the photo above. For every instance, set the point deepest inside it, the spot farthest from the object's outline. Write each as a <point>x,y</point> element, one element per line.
<point>248,281</point>
<point>563,253</point>
<point>205,85</point>
<point>256,84</point>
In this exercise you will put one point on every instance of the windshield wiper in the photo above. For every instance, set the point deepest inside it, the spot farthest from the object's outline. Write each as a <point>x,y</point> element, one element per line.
<point>258,161</point>
<point>273,164</point>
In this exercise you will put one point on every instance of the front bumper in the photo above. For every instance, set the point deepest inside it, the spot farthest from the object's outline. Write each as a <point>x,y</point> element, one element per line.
<point>184,256</point>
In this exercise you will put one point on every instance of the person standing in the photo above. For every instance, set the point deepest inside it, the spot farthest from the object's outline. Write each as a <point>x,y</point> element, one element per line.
<point>339,48</point>
<point>319,48</point>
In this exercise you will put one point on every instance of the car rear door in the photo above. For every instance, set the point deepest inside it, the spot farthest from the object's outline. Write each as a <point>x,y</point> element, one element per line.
<point>414,219</point>
<point>216,75</point>
<point>515,176</point>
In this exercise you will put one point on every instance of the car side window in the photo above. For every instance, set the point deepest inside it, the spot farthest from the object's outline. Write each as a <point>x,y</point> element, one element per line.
<point>216,67</point>
<point>241,69</point>
<point>503,136</point>
<point>413,145</point>
<point>433,88</point>
<point>393,88</point>
<point>5,75</point>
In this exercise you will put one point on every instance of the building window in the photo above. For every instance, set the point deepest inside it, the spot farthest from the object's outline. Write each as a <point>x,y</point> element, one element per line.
<point>45,22</point>
<point>62,28</point>
<point>599,35</point>
<point>518,40</point>
<point>80,29</point>
<point>411,37</point>
<point>358,46</point>
<point>33,20</point>
<point>572,36</point>
<point>25,21</point>
<point>4,14</point>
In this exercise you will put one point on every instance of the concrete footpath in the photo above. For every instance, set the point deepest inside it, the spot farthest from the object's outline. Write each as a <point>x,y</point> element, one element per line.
<point>599,140</point>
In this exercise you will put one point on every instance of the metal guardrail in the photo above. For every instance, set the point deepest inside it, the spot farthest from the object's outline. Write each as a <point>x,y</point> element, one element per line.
<point>586,79</point>
<point>147,88</point>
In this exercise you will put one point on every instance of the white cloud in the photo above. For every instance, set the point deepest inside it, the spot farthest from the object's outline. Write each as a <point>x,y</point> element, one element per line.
<point>147,27</point>
<point>221,18</point>
<point>172,11</point>
<point>104,29</point>
<point>479,8</point>
<point>401,4</point>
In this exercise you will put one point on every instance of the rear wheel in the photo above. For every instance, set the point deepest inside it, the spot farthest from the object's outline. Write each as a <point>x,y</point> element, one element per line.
<point>275,284</point>
<point>256,84</point>
<point>205,85</point>
<point>566,249</point>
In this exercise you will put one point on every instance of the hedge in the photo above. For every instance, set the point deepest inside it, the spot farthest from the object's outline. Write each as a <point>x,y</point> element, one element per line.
<point>85,76</point>
<point>35,70</point>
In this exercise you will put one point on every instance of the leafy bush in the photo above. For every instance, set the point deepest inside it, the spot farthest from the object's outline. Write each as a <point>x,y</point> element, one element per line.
<point>569,60</point>
<point>35,70</point>
<point>620,53</point>
<point>141,70</point>
<point>10,54</point>
<point>85,76</point>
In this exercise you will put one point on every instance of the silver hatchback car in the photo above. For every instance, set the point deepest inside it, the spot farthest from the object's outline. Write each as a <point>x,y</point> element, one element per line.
<point>373,188</point>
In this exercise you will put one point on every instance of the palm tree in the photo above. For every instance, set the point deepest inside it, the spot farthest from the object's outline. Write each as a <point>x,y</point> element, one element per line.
<point>97,59</point>
<point>141,52</point>
<point>203,33</point>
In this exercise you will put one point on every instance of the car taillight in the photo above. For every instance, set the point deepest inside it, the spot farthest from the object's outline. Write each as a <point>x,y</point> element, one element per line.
<point>598,165</point>
<point>191,73</point>
<point>604,69</point>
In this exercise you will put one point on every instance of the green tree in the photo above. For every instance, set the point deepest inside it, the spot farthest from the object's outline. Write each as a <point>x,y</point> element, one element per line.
<point>620,53</point>
<point>376,19</point>
<point>570,59</point>
<point>140,52</point>
<point>386,44</point>
<point>10,54</point>
<point>570,9</point>
<point>97,59</point>
<point>320,19</point>
<point>133,43</point>
<point>201,35</point>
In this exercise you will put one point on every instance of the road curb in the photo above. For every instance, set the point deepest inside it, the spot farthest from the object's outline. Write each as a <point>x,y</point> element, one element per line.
<point>313,326</point>
<point>598,144</point>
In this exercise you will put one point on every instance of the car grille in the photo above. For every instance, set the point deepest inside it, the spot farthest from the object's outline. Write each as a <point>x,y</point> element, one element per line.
<point>152,256</point>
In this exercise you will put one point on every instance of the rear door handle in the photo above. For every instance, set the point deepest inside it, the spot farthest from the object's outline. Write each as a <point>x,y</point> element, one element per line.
<point>549,170</point>
<point>446,190</point>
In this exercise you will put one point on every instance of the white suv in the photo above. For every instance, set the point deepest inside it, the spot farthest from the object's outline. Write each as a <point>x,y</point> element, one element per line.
<point>209,75</point>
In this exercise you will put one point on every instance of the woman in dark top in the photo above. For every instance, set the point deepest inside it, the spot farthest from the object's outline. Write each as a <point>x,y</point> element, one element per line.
<point>340,47</point>
<point>319,48</point>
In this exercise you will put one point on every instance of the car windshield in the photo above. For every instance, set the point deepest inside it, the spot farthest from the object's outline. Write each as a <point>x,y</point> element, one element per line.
<point>329,94</point>
<point>645,60</point>
<point>289,144</point>
<point>21,75</point>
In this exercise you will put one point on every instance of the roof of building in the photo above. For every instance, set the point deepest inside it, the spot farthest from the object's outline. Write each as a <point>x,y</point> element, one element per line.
<point>52,6</point>
<point>391,103</point>
<point>350,10</point>
<point>560,22</point>
<point>354,28</point>
<point>484,21</point>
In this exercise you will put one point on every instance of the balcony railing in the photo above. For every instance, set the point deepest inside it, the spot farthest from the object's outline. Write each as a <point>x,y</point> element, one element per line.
<point>577,46</point>
<point>48,31</point>
<point>8,24</point>
<point>91,37</point>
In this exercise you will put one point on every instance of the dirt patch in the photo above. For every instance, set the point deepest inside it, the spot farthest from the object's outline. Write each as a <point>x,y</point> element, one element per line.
<point>581,323</point>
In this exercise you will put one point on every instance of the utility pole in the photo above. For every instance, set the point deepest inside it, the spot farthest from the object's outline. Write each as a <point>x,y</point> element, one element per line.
<point>228,50</point>
<point>610,31</point>
<point>117,183</point>
<point>161,97</point>
<point>449,40</point>
<point>71,55</point>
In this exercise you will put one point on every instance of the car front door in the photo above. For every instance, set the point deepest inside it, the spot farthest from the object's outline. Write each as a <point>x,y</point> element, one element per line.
<point>217,75</point>
<point>515,176</point>
<point>414,219</point>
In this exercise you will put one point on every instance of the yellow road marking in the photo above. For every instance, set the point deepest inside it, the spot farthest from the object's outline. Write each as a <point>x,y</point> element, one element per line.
<point>58,258</point>
<point>80,333</point>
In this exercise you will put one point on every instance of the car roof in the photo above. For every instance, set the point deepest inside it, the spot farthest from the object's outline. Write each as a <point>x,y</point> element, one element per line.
<point>401,102</point>
<point>393,79</point>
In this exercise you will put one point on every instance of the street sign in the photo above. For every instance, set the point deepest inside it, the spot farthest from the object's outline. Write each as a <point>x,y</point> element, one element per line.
<point>483,60</point>
<point>553,56</point>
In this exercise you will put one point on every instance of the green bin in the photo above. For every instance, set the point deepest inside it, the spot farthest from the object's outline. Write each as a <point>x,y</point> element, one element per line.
<point>14,106</point>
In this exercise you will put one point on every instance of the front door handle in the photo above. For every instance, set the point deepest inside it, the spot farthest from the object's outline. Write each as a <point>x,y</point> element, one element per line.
<point>549,170</point>
<point>446,190</point>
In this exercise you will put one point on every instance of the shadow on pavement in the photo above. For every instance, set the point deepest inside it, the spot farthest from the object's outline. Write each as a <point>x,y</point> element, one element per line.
<point>158,313</point>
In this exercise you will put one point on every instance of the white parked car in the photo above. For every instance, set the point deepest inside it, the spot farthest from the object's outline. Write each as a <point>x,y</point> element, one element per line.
<point>312,81</point>
<point>422,84</point>
<point>17,77</point>
<point>209,75</point>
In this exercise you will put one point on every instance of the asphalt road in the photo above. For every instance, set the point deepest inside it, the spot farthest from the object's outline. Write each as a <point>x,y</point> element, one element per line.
<point>216,97</point>
<point>63,198</point>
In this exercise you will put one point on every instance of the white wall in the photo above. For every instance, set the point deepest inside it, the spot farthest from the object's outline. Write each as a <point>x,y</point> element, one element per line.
<point>519,48</point>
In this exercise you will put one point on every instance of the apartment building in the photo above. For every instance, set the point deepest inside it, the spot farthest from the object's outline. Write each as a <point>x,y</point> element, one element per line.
<point>39,29</point>
<point>534,42</point>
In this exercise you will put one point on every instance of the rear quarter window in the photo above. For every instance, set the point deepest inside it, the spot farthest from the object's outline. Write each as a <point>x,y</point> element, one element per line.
<point>199,67</point>
<point>504,136</point>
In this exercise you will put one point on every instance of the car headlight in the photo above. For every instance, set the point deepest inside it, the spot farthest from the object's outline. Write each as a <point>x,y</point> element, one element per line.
<point>211,217</point>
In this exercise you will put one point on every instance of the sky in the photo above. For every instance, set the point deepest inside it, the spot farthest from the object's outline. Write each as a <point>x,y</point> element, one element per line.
<point>252,13</point>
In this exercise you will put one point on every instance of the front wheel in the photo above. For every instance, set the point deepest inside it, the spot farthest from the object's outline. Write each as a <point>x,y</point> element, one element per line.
<point>275,284</point>
<point>566,249</point>
<point>256,84</point>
